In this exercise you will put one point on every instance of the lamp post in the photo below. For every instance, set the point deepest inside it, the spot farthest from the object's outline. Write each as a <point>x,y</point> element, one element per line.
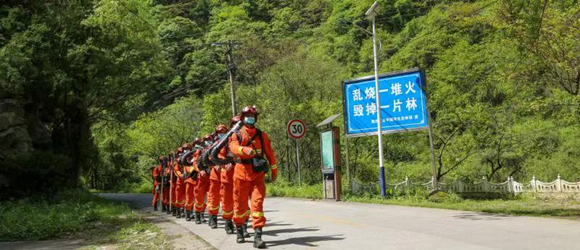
<point>371,13</point>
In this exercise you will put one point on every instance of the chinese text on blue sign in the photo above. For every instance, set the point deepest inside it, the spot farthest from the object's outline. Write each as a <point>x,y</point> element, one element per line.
<point>403,103</point>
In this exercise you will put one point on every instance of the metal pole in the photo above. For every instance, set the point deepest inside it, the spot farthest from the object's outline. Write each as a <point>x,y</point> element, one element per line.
<point>288,158</point>
<point>434,168</point>
<point>379,121</point>
<point>298,163</point>
<point>231,73</point>
<point>347,165</point>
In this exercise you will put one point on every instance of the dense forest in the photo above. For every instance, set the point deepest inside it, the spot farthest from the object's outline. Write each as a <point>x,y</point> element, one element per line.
<point>92,91</point>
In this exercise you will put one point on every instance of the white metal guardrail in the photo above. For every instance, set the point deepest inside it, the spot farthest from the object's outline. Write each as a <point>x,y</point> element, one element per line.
<point>483,186</point>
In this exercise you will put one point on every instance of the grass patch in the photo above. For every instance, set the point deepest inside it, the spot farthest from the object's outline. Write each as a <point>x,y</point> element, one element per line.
<point>525,205</point>
<point>69,214</point>
<point>143,187</point>
<point>282,188</point>
<point>137,235</point>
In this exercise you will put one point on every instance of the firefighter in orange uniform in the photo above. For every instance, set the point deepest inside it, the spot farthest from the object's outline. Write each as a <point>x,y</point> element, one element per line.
<point>190,182</point>
<point>213,198</point>
<point>201,185</point>
<point>180,183</point>
<point>156,175</point>
<point>166,185</point>
<point>227,186</point>
<point>251,152</point>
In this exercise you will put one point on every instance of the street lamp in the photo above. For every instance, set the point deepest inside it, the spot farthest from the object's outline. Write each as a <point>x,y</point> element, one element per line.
<point>371,13</point>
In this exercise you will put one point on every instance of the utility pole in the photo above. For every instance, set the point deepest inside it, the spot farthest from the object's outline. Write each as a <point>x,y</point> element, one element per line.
<point>371,13</point>
<point>231,67</point>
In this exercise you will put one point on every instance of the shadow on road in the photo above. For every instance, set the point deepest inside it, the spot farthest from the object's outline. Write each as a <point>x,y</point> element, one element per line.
<point>307,241</point>
<point>481,216</point>
<point>277,224</point>
<point>288,230</point>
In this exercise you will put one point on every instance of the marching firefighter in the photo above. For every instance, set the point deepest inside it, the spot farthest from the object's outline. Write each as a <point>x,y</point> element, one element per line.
<point>166,187</point>
<point>156,173</point>
<point>180,183</point>
<point>251,147</point>
<point>190,182</point>
<point>202,182</point>
<point>227,186</point>
<point>213,198</point>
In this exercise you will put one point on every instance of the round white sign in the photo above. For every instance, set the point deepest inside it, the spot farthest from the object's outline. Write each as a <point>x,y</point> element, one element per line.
<point>296,129</point>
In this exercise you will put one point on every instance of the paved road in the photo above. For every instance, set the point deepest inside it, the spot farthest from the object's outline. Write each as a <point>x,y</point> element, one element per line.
<point>299,224</point>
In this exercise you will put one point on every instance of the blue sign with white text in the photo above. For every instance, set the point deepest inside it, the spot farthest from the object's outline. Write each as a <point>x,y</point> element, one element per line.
<point>403,104</point>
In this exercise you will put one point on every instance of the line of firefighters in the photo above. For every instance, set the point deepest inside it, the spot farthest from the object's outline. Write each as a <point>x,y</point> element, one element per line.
<point>225,167</point>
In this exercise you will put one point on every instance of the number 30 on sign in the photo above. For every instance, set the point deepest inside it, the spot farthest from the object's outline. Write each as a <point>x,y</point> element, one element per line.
<point>296,129</point>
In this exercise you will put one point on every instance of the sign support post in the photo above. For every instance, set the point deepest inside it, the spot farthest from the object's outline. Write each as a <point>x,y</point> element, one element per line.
<point>298,163</point>
<point>297,129</point>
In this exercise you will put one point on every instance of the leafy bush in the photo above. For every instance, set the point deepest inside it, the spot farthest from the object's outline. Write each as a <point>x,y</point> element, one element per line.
<point>65,214</point>
<point>39,171</point>
<point>283,188</point>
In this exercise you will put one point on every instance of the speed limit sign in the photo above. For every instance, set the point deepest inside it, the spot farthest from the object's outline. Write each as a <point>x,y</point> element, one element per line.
<point>296,129</point>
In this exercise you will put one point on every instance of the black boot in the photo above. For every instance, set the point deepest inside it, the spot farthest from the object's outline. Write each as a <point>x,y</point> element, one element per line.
<point>178,213</point>
<point>168,211</point>
<point>197,218</point>
<point>188,215</point>
<point>202,217</point>
<point>258,242</point>
<point>155,207</point>
<point>163,209</point>
<point>245,227</point>
<point>213,221</point>
<point>229,227</point>
<point>174,211</point>
<point>240,234</point>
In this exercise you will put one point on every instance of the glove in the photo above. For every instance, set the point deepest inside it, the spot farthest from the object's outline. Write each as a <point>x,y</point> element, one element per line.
<point>157,189</point>
<point>229,167</point>
<point>274,174</point>
<point>248,151</point>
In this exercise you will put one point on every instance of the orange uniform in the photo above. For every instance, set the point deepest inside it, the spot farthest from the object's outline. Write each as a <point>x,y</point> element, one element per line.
<point>166,188</point>
<point>227,188</point>
<point>213,197</point>
<point>179,186</point>
<point>201,187</point>
<point>156,174</point>
<point>248,182</point>
<point>190,187</point>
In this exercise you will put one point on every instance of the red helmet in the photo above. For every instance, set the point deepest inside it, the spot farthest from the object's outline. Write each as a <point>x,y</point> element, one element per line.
<point>250,110</point>
<point>221,129</point>
<point>197,141</point>
<point>235,120</point>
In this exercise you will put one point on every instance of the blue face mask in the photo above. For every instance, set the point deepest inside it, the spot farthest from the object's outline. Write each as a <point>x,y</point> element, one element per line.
<point>207,143</point>
<point>250,120</point>
<point>221,136</point>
